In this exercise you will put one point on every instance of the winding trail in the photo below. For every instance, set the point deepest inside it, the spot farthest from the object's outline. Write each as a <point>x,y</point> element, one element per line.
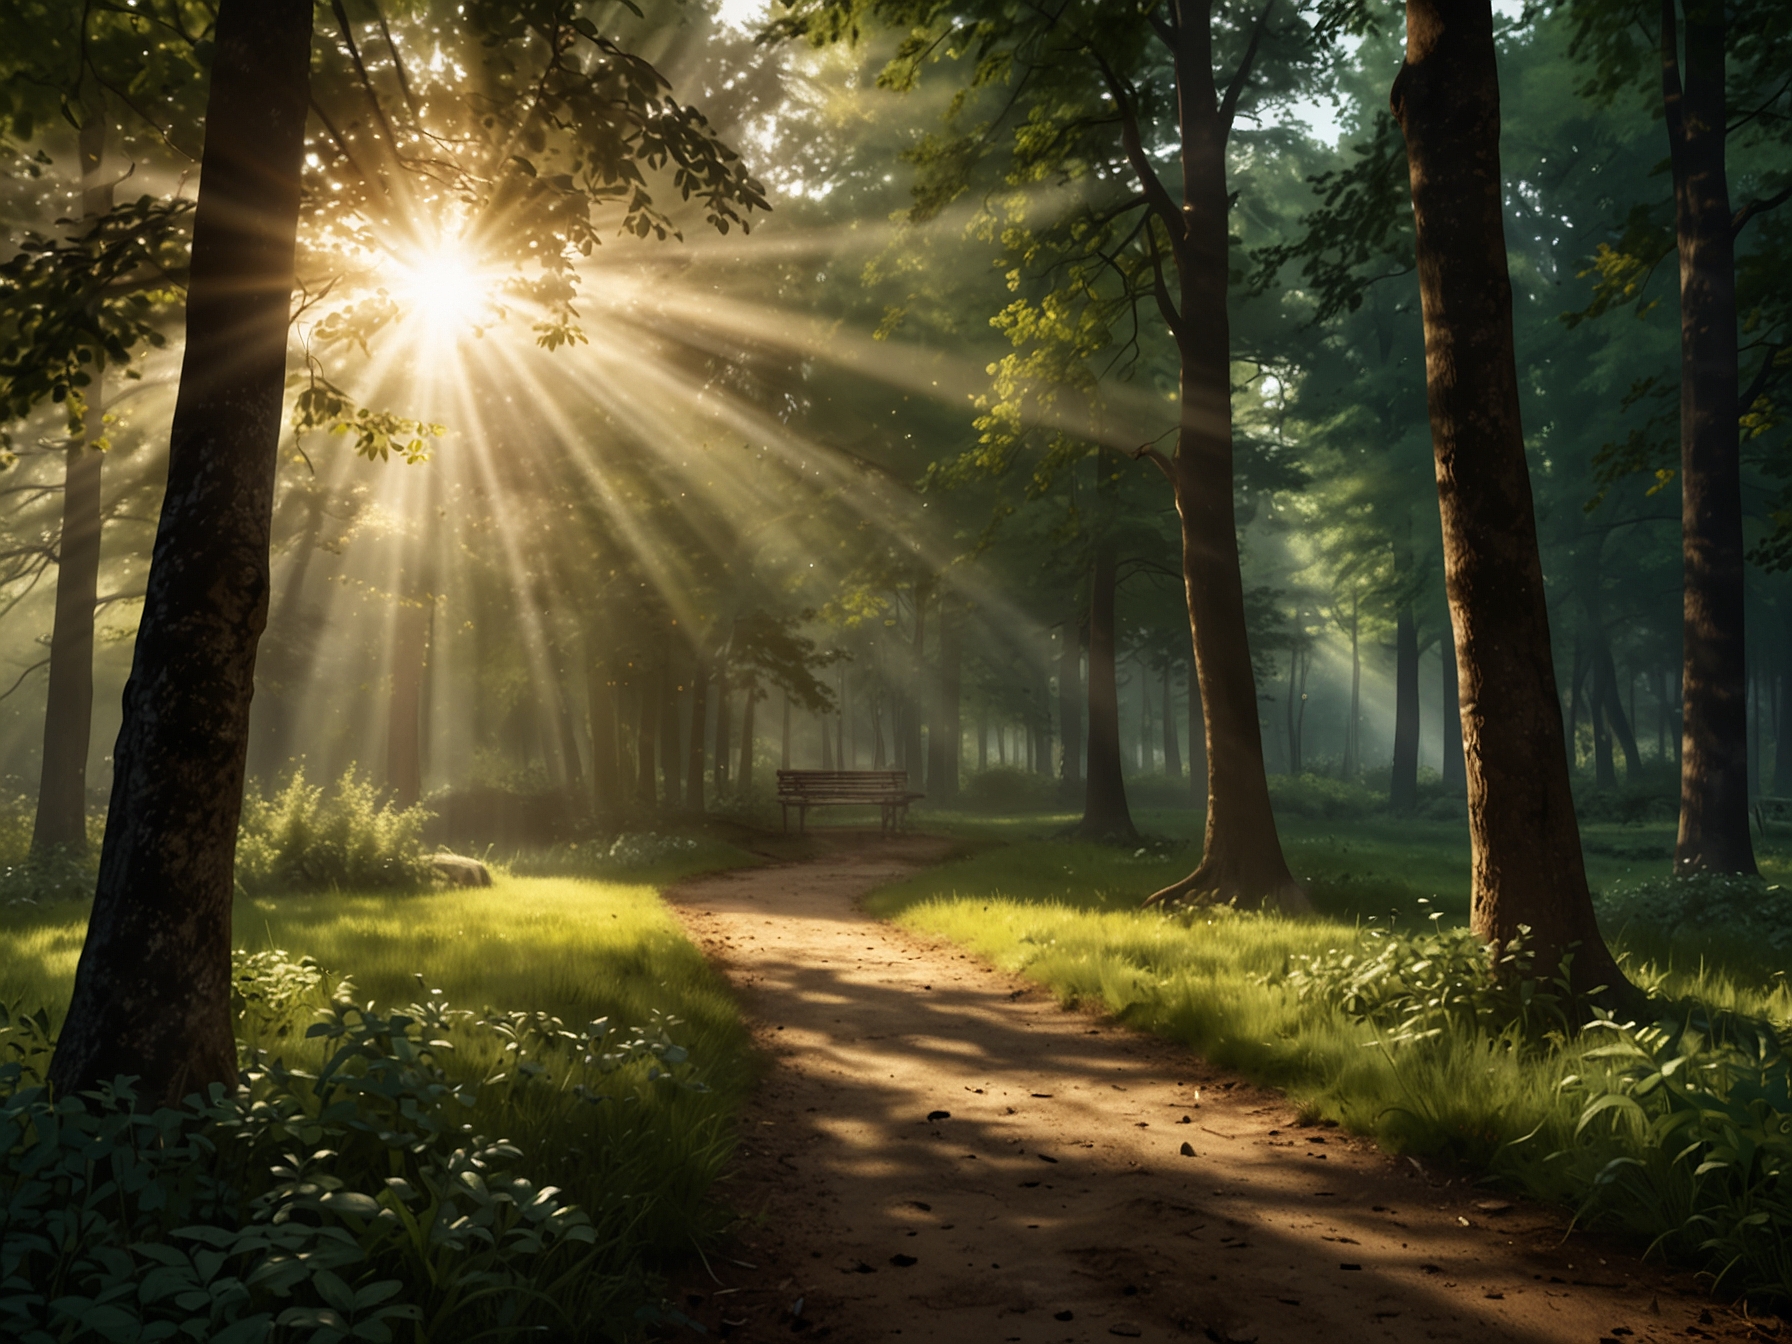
<point>1053,1201</point>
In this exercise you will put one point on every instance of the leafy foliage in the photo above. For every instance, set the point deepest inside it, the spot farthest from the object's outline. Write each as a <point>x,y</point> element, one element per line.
<point>1729,904</point>
<point>354,1202</point>
<point>352,837</point>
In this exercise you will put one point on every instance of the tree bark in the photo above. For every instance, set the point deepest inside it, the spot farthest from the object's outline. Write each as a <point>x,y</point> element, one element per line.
<point>784,736</point>
<point>1242,858</point>
<point>1782,739</point>
<point>647,711</point>
<point>404,712</point>
<point>745,777</point>
<point>693,766</point>
<point>943,745</point>
<point>724,742</point>
<point>1714,817</point>
<point>1070,709</point>
<point>671,755</point>
<point>1197,742</point>
<point>1403,783</point>
<point>1616,719</point>
<point>152,990</point>
<point>1172,749</point>
<point>1105,814</point>
<point>1455,780</point>
<point>1527,866</point>
<point>914,695</point>
<point>61,821</point>
<point>606,771</point>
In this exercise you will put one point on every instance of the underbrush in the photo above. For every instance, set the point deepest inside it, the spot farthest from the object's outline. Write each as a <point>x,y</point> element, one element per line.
<point>429,1171</point>
<point>640,856</point>
<point>1676,1128</point>
<point>350,837</point>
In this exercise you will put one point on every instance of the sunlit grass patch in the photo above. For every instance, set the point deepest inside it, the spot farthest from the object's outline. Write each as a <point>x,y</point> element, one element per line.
<point>642,1162</point>
<point>1505,1098</point>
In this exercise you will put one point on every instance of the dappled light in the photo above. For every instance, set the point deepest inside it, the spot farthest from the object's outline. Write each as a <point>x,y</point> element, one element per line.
<point>1016,672</point>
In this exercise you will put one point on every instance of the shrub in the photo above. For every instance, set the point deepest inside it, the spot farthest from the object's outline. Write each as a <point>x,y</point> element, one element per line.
<point>1703,904</point>
<point>1323,799</point>
<point>1004,788</point>
<point>348,839</point>
<point>331,1205</point>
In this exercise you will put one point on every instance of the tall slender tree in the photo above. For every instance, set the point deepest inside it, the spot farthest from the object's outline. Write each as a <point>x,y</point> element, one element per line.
<point>1527,866</point>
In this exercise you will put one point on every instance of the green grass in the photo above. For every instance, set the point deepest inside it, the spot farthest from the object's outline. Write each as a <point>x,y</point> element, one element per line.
<point>1067,915</point>
<point>576,949</point>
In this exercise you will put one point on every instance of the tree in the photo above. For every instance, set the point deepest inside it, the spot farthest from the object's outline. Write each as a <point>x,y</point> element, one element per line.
<point>1720,76</point>
<point>152,988</point>
<point>1527,869</point>
<point>1096,95</point>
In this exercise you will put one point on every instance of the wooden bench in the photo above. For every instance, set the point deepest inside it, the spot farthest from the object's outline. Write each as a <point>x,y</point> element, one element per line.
<point>886,790</point>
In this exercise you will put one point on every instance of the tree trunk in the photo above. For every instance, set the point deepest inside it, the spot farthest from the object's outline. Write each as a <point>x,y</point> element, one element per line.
<point>283,663</point>
<point>1782,740</point>
<point>1714,835</point>
<point>1455,781</point>
<point>1070,709</point>
<point>784,736</point>
<point>1527,867</point>
<point>1615,717</point>
<point>745,776</point>
<point>827,746</point>
<point>671,755</point>
<point>1197,742</point>
<point>1105,814</point>
<point>943,746</point>
<point>724,729</point>
<point>914,696</point>
<point>1242,860</point>
<point>647,715</point>
<point>1172,751</point>
<point>1351,766</point>
<point>606,771</point>
<point>404,717</point>
<point>61,821</point>
<point>693,766</point>
<point>152,991</point>
<point>1403,783</point>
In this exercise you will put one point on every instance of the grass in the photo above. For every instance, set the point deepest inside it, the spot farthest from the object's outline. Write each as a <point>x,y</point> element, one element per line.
<point>1067,915</point>
<point>575,949</point>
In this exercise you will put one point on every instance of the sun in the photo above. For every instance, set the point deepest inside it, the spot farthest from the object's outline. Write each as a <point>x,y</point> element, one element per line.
<point>446,289</point>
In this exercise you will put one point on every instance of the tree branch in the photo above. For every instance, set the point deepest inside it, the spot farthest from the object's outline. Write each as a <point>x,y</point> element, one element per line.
<point>1759,206</point>
<point>1150,454</point>
<point>1235,90</point>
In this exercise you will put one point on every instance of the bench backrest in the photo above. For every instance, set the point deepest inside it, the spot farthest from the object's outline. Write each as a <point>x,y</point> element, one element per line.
<point>843,783</point>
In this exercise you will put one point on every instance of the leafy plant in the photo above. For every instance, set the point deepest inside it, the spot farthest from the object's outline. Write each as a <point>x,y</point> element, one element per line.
<point>356,1202</point>
<point>305,838</point>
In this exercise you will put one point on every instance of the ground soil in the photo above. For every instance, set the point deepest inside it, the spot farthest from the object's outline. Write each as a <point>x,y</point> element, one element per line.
<point>939,1152</point>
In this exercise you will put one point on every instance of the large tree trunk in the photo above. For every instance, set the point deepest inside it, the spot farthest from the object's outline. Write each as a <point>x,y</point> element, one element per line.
<point>1105,814</point>
<point>1197,742</point>
<point>1241,860</point>
<point>943,745</point>
<point>1070,710</point>
<point>68,710</point>
<point>671,757</point>
<point>1714,834</point>
<point>152,991</point>
<point>1527,867</point>
<point>1403,783</point>
<point>1455,779</point>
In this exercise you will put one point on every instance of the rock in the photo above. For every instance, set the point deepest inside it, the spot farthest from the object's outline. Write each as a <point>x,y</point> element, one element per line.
<point>1187,1150</point>
<point>939,1115</point>
<point>459,871</point>
<point>902,1261</point>
<point>1126,1329</point>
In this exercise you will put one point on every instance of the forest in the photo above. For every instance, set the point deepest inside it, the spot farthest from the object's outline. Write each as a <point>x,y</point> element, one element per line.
<point>683,669</point>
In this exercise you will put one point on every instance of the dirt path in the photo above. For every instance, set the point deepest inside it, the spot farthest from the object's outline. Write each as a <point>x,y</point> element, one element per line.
<point>940,1153</point>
